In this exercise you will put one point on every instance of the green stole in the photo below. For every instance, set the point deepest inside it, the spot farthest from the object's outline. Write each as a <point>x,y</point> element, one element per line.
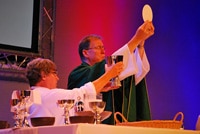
<point>132,101</point>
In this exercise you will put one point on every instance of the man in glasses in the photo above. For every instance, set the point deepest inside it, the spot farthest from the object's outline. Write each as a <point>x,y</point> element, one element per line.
<point>131,99</point>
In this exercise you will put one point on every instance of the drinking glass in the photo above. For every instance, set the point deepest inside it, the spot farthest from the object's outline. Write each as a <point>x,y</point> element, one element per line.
<point>25,101</point>
<point>110,60</point>
<point>19,105</point>
<point>91,97</point>
<point>15,109</point>
<point>66,104</point>
<point>94,103</point>
<point>97,108</point>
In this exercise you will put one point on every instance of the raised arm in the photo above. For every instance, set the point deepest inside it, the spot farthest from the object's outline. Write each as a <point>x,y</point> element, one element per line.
<point>143,32</point>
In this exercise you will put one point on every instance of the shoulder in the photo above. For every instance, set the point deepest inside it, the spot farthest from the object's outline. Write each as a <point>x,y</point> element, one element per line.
<point>83,68</point>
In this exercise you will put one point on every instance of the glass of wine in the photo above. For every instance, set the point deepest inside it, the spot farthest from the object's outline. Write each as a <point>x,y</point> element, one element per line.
<point>19,105</point>
<point>110,60</point>
<point>24,103</point>
<point>94,103</point>
<point>97,108</point>
<point>15,109</point>
<point>66,104</point>
<point>91,97</point>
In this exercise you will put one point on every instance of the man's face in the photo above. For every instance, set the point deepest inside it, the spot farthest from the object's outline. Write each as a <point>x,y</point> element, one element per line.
<point>96,51</point>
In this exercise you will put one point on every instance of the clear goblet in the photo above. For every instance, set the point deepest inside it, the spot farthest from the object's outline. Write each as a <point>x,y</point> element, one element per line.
<point>24,104</point>
<point>97,108</point>
<point>91,97</point>
<point>66,104</point>
<point>15,109</point>
<point>19,104</point>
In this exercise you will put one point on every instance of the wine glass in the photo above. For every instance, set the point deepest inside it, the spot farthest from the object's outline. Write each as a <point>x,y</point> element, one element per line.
<point>97,108</point>
<point>66,104</point>
<point>110,60</point>
<point>19,104</point>
<point>94,103</point>
<point>25,101</point>
<point>91,97</point>
<point>15,109</point>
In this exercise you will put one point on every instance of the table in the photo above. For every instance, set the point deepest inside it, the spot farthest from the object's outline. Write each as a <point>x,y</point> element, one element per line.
<point>94,129</point>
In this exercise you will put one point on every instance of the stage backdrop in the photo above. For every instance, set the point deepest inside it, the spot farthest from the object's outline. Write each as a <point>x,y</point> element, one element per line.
<point>173,52</point>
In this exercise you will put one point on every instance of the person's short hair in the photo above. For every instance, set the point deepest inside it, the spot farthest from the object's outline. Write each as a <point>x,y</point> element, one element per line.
<point>35,67</point>
<point>85,44</point>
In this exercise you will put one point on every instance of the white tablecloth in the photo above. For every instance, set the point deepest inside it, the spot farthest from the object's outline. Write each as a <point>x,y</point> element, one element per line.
<point>94,129</point>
